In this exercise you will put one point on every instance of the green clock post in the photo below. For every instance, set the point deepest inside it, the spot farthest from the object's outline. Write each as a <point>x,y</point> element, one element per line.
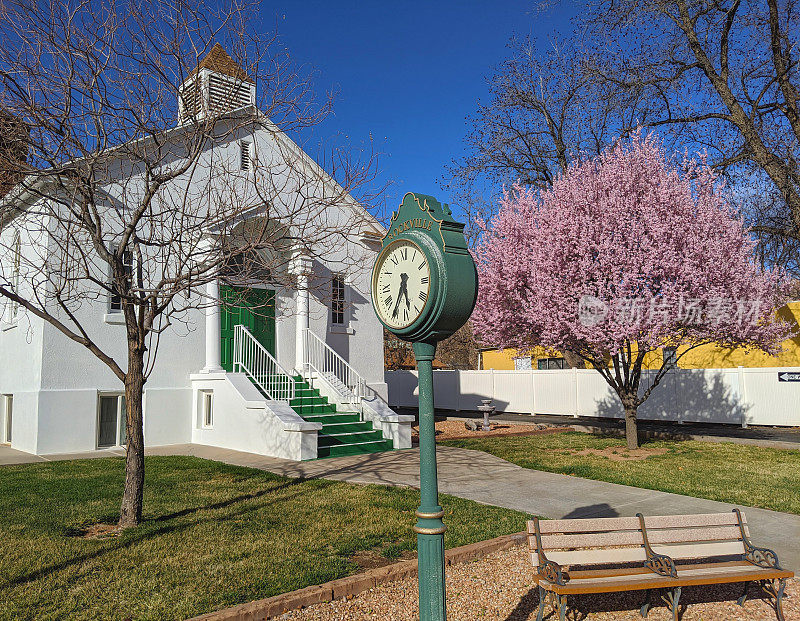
<point>424,287</point>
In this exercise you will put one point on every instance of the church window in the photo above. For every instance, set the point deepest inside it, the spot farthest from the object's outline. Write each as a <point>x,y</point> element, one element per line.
<point>337,300</point>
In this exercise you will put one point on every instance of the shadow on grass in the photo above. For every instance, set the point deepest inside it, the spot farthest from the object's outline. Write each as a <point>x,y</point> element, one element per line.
<point>142,533</point>
<point>225,503</point>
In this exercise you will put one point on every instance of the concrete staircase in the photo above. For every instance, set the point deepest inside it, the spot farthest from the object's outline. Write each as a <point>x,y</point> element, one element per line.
<point>343,432</point>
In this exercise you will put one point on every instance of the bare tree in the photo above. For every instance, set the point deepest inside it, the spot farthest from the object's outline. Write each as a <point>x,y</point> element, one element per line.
<point>719,75</point>
<point>545,109</point>
<point>126,196</point>
<point>397,354</point>
<point>459,350</point>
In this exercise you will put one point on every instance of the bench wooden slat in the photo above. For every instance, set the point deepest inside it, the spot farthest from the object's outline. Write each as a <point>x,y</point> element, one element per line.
<point>628,571</point>
<point>601,556</point>
<point>686,521</point>
<point>700,550</point>
<point>682,573</point>
<point>594,525</point>
<point>629,537</point>
<point>598,556</point>
<point>585,525</point>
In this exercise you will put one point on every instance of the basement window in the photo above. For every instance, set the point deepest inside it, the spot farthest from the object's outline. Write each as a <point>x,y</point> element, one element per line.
<point>207,405</point>
<point>5,419</point>
<point>111,430</point>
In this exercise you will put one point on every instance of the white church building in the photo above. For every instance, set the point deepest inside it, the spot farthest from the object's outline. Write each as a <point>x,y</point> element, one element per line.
<point>208,382</point>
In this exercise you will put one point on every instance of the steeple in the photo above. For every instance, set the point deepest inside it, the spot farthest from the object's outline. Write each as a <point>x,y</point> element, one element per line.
<point>218,85</point>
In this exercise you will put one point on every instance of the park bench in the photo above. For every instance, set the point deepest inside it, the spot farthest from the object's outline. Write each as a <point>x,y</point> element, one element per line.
<point>653,554</point>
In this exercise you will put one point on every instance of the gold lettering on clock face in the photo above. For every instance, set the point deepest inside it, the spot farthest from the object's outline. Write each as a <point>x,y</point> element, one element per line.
<point>401,284</point>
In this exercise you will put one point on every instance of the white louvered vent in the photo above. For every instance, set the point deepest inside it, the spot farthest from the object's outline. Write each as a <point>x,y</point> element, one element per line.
<point>225,94</point>
<point>244,155</point>
<point>190,100</point>
<point>213,94</point>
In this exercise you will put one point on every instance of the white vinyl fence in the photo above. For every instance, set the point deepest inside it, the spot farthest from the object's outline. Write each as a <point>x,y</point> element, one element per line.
<point>740,395</point>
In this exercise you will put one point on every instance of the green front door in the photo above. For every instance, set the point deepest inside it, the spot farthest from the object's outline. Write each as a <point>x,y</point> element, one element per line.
<point>252,308</point>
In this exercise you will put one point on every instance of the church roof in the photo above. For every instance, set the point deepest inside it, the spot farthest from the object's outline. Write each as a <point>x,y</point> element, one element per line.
<point>218,61</point>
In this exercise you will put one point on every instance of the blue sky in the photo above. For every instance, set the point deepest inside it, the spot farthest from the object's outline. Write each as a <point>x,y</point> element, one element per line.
<point>407,73</point>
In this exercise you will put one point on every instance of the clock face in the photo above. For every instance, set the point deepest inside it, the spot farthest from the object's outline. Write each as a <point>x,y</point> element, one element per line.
<point>401,283</point>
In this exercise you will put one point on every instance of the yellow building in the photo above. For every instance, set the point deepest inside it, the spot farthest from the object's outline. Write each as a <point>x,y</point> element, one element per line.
<point>708,356</point>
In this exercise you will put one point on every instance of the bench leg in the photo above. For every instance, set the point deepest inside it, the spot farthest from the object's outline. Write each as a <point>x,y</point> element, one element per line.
<point>779,599</point>
<point>542,601</point>
<point>743,598</point>
<point>777,592</point>
<point>562,608</point>
<point>647,604</point>
<point>672,598</point>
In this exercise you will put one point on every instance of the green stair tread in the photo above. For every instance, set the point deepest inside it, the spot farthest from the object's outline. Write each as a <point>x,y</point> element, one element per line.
<point>342,450</point>
<point>330,419</point>
<point>330,428</point>
<point>324,439</point>
<point>343,432</point>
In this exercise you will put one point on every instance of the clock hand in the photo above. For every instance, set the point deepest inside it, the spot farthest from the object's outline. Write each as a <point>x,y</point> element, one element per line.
<point>397,304</point>
<point>403,290</point>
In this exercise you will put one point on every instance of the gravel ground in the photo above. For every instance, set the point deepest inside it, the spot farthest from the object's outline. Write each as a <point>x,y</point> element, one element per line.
<point>448,429</point>
<point>499,587</point>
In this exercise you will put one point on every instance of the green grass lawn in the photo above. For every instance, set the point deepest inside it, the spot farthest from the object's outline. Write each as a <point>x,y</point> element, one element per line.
<point>213,535</point>
<point>736,473</point>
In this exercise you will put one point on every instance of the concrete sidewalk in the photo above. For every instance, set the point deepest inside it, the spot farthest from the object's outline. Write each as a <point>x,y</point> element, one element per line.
<point>490,480</point>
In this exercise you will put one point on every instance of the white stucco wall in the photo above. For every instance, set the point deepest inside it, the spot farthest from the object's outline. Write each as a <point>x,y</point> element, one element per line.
<point>21,343</point>
<point>244,421</point>
<point>55,381</point>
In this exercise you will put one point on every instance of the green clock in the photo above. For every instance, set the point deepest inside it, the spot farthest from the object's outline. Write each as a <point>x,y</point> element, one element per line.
<point>424,283</point>
<point>424,287</point>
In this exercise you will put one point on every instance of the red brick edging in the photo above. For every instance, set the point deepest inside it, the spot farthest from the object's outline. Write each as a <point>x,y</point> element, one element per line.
<point>353,585</point>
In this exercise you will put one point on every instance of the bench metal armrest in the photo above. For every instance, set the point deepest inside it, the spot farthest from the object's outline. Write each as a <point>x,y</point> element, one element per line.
<point>552,572</point>
<point>549,570</point>
<point>761,557</point>
<point>661,564</point>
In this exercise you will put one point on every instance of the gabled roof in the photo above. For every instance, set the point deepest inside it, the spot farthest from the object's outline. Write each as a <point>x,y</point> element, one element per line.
<point>218,61</point>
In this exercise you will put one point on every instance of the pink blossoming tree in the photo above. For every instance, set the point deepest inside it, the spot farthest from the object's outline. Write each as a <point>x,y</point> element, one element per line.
<point>625,255</point>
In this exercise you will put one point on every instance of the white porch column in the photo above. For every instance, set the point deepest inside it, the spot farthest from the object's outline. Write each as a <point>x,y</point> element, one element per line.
<point>301,267</point>
<point>213,329</point>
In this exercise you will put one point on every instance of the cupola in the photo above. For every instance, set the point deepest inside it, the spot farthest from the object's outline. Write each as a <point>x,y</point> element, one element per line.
<point>217,86</point>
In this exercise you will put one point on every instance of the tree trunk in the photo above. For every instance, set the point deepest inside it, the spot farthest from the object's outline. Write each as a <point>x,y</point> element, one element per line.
<point>131,511</point>
<point>631,428</point>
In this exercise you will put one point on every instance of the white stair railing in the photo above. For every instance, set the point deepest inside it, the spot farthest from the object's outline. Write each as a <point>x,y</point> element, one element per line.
<point>319,358</point>
<point>250,358</point>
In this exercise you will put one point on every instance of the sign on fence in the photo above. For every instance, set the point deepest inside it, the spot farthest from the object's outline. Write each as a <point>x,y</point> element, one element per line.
<point>789,377</point>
